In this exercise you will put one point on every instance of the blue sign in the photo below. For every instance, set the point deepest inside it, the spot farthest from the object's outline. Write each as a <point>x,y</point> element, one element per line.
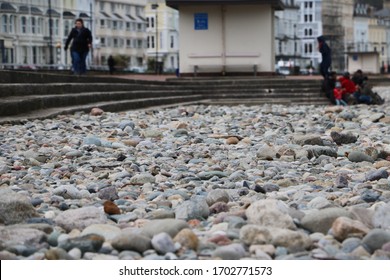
<point>201,21</point>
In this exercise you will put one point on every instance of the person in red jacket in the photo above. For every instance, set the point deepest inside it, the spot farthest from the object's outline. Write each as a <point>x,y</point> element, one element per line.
<point>348,85</point>
<point>338,93</point>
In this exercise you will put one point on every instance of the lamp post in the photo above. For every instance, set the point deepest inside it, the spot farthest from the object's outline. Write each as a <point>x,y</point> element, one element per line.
<point>50,35</point>
<point>295,47</point>
<point>154,7</point>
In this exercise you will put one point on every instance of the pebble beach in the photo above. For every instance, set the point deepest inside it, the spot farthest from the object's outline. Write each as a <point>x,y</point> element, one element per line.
<point>199,182</point>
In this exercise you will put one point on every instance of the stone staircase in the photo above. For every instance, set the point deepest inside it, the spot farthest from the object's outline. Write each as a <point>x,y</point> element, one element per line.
<point>26,96</point>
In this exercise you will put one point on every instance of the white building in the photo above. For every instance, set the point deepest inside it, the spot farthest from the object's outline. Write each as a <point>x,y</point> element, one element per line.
<point>361,22</point>
<point>120,30</point>
<point>162,35</point>
<point>287,52</point>
<point>308,29</point>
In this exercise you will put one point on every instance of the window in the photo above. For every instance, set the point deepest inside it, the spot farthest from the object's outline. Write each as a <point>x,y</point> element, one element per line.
<point>152,41</point>
<point>140,27</point>
<point>66,28</point>
<point>128,43</point>
<point>24,24</point>
<point>114,25</point>
<point>12,24</point>
<point>4,24</point>
<point>33,25</point>
<point>40,26</point>
<point>101,5</point>
<point>102,23</point>
<point>152,22</point>
<point>147,22</point>
<point>148,42</point>
<point>140,43</point>
<point>115,43</point>
<point>172,42</point>
<point>103,42</point>
<point>128,26</point>
<point>56,27</point>
<point>113,7</point>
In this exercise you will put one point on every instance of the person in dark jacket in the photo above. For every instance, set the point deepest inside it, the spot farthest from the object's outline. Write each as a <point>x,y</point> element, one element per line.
<point>82,42</point>
<point>111,64</point>
<point>326,54</point>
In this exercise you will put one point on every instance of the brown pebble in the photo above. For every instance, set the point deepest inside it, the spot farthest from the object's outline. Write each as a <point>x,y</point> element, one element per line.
<point>111,208</point>
<point>97,112</point>
<point>232,141</point>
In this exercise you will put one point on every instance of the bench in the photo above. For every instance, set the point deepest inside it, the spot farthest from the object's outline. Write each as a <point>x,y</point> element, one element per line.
<point>225,66</point>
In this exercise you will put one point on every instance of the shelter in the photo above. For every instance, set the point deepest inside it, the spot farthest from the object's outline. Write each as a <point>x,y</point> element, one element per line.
<point>224,37</point>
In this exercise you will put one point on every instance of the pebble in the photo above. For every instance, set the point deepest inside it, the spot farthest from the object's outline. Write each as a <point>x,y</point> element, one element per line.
<point>198,182</point>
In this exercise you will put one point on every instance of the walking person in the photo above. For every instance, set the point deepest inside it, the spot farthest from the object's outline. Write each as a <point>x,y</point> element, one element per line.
<point>111,64</point>
<point>82,42</point>
<point>326,54</point>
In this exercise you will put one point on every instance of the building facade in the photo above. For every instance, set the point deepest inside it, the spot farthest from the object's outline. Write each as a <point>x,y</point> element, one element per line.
<point>33,33</point>
<point>288,51</point>
<point>162,36</point>
<point>120,31</point>
<point>308,29</point>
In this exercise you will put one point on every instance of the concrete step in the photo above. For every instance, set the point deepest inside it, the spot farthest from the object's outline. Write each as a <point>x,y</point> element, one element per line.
<point>63,88</point>
<point>109,106</point>
<point>262,101</point>
<point>18,105</point>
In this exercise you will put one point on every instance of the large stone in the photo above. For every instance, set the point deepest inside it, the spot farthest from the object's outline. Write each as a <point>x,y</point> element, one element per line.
<point>229,252</point>
<point>217,196</point>
<point>270,212</point>
<point>132,242</point>
<point>308,140</point>
<point>358,156</point>
<point>344,227</point>
<point>163,243</point>
<point>266,152</point>
<point>80,218</point>
<point>322,220</point>
<point>20,235</point>
<point>14,207</point>
<point>343,138</point>
<point>381,218</point>
<point>188,239</point>
<point>170,226</point>
<point>86,243</point>
<point>375,239</point>
<point>291,239</point>
<point>196,208</point>
<point>109,232</point>
<point>316,151</point>
<point>143,178</point>
<point>376,175</point>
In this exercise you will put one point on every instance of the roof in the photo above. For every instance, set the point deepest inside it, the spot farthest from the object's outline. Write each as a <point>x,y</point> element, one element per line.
<point>384,13</point>
<point>7,7</point>
<point>31,9</point>
<point>130,17</point>
<point>277,4</point>
<point>53,12</point>
<point>68,14</point>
